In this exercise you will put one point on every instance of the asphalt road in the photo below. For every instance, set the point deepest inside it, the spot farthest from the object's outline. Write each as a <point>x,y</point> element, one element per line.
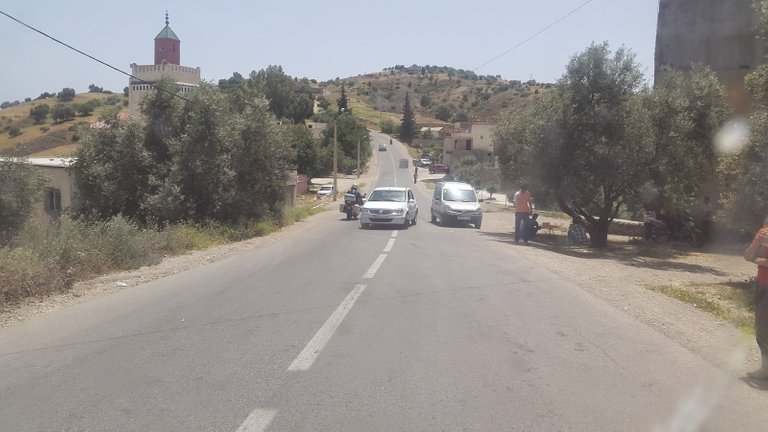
<point>335,328</point>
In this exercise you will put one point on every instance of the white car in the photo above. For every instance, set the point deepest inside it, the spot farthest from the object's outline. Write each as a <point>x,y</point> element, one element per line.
<point>389,206</point>
<point>456,202</point>
<point>326,190</point>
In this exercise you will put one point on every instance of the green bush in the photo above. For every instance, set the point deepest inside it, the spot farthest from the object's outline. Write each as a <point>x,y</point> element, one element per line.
<point>388,126</point>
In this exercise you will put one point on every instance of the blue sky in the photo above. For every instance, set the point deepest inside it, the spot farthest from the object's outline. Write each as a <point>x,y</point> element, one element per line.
<point>321,40</point>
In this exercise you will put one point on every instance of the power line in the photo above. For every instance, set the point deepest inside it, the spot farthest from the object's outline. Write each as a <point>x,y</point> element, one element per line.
<point>562,18</point>
<point>94,58</point>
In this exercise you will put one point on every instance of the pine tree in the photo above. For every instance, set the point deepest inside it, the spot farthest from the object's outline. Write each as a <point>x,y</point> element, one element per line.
<point>408,123</point>
<point>342,102</point>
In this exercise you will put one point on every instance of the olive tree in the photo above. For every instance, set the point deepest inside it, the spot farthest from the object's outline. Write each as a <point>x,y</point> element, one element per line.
<point>20,188</point>
<point>586,142</point>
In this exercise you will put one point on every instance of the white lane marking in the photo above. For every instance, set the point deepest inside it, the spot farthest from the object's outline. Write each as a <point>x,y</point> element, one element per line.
<point>257,421</point>
<point>388,247</point>
<point>313,348</point>
<point>394,233</point>
<point>375,267</point>
<point>394,170</point>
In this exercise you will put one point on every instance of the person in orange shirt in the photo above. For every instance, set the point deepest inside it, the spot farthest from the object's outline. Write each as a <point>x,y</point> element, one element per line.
<point>757,253</point>
<point>523,209</point>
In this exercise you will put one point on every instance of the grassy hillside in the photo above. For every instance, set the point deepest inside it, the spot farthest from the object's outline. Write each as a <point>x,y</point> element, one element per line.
<point>438,96</point>
<point>49,138</point>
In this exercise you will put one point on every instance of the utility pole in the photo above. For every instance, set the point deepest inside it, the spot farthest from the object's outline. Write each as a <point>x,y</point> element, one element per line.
<point>335,161</point>
<point>336,157</point>
<point>358,158</point>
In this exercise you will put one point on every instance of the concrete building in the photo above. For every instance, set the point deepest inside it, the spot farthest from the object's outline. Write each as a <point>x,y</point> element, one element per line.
<point>167,64</point>
<point>721,34</point>
<point>59,191</point>
<point>469,138</point>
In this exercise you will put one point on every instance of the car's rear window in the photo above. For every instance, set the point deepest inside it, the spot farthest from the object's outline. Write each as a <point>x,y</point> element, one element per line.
<point>387,195</point>
<point>464,195</point>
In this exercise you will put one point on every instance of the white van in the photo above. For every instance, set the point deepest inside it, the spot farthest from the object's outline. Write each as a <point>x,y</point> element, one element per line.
<point>455,202</point>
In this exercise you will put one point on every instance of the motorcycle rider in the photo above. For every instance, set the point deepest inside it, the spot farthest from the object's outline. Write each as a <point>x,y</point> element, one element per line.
<point>356,192</point>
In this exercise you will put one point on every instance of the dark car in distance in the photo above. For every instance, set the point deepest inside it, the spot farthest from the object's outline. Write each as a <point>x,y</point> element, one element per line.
<point>438,169</point>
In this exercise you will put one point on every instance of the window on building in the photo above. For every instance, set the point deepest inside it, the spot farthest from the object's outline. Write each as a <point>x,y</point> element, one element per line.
<point>53,201</point>
<point>469,144</point>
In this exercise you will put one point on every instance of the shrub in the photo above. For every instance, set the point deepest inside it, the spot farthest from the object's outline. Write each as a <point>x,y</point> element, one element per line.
<point>14,131</point>
<point>24,274</point>
<point>66,94</point>
<point>491,189</point>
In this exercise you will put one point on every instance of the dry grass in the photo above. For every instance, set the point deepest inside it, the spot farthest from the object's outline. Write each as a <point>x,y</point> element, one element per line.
<point>46,260</point>
<point>730,301</point>
<point>36,136</point>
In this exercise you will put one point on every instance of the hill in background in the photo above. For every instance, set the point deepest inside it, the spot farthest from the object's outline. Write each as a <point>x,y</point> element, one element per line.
<point>20,136</point>
<point>439,94</point>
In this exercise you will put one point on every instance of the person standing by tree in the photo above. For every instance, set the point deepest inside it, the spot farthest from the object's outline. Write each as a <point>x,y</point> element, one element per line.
<point>757,253</point>
<point>523,209</point>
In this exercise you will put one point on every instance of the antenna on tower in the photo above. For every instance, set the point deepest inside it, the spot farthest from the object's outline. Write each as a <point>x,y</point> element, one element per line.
<point>166,17</point>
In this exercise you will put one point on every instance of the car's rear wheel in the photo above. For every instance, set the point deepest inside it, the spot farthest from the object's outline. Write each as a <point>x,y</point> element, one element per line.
<point>413,222</point>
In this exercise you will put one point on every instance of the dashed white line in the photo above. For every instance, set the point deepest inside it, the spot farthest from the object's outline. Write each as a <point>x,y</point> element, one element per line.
<point>375,267</point>
<point>257,421</point>
<point>308,355</point>
<point>394,233</point>
<point>394,170</point>
<point>388,247</point>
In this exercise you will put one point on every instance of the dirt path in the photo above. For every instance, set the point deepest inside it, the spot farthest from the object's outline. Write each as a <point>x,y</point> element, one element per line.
<point>619,276</point>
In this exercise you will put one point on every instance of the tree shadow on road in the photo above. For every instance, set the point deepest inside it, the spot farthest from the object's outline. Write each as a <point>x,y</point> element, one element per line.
<point>651,256</point>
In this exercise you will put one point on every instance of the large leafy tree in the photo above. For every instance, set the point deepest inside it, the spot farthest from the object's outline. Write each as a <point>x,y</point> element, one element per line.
<point>39,113</point>
<point>350,131</point>
<point>686,111</point>
<point>586,142</point>
<point>114,170</point>
<point>408,128</point>
<point>744,191</point>
<point>66,94</point>
<point>306,148</point>
<point>288,98</point>
<point>20,187</point>
<point>209,157</point>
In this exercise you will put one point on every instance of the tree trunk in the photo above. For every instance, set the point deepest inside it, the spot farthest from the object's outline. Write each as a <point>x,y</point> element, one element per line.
<point>598,235</point>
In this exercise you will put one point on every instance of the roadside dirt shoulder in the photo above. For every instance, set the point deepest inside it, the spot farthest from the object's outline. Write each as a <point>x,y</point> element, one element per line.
<point>620,279</point>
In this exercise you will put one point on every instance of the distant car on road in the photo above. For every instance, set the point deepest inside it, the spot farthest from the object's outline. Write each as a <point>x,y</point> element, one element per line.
<point>425,162</point>
<point>325,190</point>
<point>389,206</point>
<point>382,147</point>
<point>438,169</point>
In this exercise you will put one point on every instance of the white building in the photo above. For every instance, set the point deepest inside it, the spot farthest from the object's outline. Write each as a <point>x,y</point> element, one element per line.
<point>167,64</point>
